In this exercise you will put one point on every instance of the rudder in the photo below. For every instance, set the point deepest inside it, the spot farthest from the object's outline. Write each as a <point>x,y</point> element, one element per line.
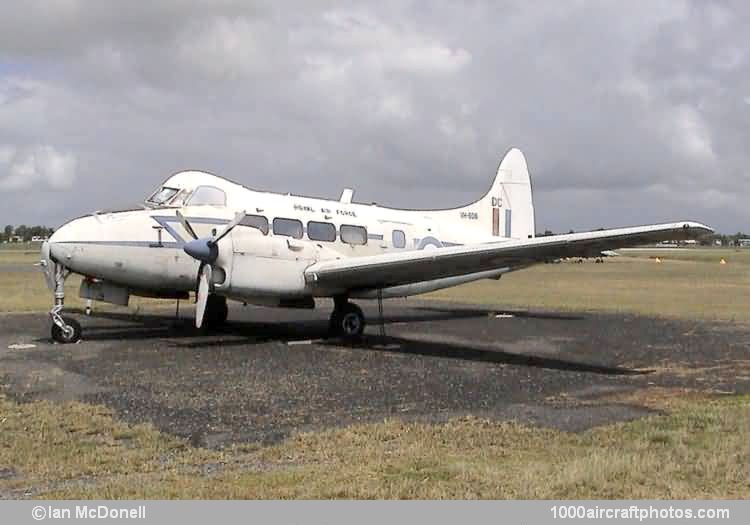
<point>507,209</point>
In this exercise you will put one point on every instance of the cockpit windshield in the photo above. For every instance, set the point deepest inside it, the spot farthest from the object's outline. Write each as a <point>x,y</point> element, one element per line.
<point>208,196</point>
<point>162,196</point>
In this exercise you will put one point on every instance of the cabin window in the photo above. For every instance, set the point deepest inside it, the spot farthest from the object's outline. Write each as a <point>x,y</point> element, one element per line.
<point>162,196</point>
<point>287,227</point>
<point>399,239</point>
<point>353,234</point>
<point>208,196</point>
<point>256,221</point>
<point>321,231</point>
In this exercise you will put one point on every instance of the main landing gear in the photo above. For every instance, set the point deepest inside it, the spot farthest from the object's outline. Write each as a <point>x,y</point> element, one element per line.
<point>216,312</point>
<point>347,319</point>
<point>64,329</point>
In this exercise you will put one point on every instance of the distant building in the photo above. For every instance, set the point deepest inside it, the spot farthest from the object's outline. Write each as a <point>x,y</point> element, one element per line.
<point>16,238</point>
<point>744,243</point>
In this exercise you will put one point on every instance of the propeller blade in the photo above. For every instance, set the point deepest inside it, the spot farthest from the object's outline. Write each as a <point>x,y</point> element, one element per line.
<point>229,227</point>
<point>186,225</point>
<point>202,292</point>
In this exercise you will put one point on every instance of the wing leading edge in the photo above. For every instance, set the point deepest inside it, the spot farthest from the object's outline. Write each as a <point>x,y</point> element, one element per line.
<point>394,269</point>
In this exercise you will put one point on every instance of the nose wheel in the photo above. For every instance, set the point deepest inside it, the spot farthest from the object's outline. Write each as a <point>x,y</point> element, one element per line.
<point>347,320</point>
<point>68,332</point>
<point>65,329</point>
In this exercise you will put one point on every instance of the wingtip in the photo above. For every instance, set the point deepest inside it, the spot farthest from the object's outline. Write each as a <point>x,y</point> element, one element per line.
<point>697,227</point>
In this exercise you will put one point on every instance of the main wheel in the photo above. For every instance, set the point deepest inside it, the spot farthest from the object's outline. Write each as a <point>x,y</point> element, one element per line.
<point>348,321</point>
<point>216,311</point>
<point>72,333</point>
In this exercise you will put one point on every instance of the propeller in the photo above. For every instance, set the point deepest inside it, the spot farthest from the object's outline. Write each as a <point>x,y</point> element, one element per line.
<point>186,225</point>
<point>206,251</point>
<point>201,294</point>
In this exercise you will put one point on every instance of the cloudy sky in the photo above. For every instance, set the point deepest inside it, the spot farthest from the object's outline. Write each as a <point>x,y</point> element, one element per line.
<point>628,112</point>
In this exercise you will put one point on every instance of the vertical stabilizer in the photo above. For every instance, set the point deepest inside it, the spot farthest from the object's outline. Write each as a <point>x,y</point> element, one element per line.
<point>507,209</point>
<point>510,199</point>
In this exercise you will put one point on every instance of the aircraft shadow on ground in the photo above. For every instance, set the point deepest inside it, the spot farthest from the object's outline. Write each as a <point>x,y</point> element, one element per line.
<point>522,314</point>
<point>247,333</point>
<point>151,326</point>
<point>468,353</point>
<point>168,325</point>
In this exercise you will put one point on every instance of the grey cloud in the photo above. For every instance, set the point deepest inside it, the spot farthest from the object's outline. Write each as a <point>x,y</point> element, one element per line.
<point>34,166</point>
<point>628,112</point>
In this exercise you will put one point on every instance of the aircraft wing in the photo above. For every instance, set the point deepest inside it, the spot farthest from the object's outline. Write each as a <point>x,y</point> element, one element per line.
<point>393,269</point>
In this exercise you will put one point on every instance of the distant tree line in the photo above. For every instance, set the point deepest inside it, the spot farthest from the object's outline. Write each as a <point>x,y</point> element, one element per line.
<point>25,233</point>
<point>726,240</point>
<point>706,240</point>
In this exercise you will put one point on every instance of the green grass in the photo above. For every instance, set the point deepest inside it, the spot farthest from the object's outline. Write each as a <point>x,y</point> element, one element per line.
<point>27,292</point>
<point>687,284</point>
<point>18,256</point>
<point>707,255</point>
<point>701,450</point>
<point>13,246</point>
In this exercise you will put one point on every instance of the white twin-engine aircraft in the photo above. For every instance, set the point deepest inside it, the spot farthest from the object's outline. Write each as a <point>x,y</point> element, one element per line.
<point>205,233</point>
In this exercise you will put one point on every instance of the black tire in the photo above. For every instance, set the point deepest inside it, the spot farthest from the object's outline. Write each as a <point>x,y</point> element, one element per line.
<point>217,311</point>
<point>333,324</point>
<point>72,336</point>
<point>348,321</point>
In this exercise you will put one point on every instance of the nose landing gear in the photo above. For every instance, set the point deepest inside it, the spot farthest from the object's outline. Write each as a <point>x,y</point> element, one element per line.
<point>64,329</point>
<point>67,331</point>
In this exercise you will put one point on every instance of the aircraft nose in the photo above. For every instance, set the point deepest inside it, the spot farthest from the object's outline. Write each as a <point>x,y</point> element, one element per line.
<point>59,244</point>
<point>45,262</point>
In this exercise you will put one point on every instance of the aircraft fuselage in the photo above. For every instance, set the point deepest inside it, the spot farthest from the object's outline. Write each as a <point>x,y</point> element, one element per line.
<point>142,250</point>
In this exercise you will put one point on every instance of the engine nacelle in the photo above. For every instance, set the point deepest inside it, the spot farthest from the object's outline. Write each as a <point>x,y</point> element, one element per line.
<point>254,276</point>
<point>267,266</point>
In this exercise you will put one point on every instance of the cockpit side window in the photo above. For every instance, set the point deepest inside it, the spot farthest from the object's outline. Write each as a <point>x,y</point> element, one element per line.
<point>182,196</point>
<point>162,196</point>
<point>208,196</point>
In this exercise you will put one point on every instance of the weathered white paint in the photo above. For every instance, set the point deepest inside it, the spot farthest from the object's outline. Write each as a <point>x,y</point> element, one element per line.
<point>141,250</point>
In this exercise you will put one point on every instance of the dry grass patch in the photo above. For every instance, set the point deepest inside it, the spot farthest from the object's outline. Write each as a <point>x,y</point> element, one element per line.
<point>738,369</point>
<point>657,398</point>
<point>701,450</point>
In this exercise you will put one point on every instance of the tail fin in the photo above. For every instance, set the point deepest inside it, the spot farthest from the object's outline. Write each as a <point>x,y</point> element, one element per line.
<point>510,199</point>
<point>507,210</point>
